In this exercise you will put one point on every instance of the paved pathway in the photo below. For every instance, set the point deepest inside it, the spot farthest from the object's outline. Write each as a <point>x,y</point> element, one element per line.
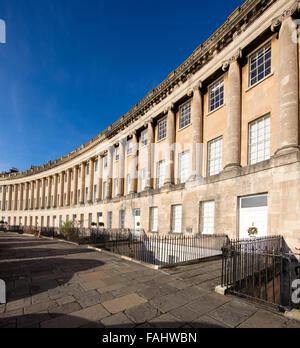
<point>55,284</point>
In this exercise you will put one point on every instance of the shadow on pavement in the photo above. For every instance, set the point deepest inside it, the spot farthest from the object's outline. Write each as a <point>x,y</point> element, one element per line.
<point>45,320</point>
<point>35,270</point>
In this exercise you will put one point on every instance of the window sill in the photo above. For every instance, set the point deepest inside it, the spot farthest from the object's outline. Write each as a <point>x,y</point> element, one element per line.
<point>259,82</point>
<point>159,141</point>
<point>217,109</point>
<point>173,233</point>
<point>181,129</point>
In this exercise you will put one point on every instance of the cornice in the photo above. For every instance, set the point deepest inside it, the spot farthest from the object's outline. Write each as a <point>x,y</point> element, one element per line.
<point>236,23</point>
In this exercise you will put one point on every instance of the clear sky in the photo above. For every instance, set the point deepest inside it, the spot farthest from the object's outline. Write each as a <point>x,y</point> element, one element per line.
<point>72,67</point>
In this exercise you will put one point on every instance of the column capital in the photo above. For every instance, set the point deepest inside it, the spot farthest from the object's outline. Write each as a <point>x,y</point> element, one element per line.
<point>226,63</point>
<point>169,108</point>
<point>277,21</point>
<point>148,123</point>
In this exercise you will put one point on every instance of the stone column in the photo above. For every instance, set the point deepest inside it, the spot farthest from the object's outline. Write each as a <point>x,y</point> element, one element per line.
<point>32,196</point>
<point>9,197</point>
<point>43,203</point>
<point>82,186</point>
<point>62,188</point>
<point>171,138</point>
<point>21,196</point>
<point>37,189</point>
<point>75,185</point>
<point>233,130</point>
<point>69,182</point>
<point>49,192</point>
<point>91,180</point>
<point>134,164</point>
<point>288,122</point>
<point>16,197</point>
<point>100,179</point>
<point>150,157</point>
<point>109,172</point>
<point>197,133</point>
<point>3,198</point>
<point>55,202</point>
<point>27,196</point>
<point>122,147</point>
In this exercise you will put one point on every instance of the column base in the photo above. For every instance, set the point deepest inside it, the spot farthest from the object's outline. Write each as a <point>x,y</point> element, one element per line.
<point>167,186</point>
<point>232,166</point>
<point>287,149</point>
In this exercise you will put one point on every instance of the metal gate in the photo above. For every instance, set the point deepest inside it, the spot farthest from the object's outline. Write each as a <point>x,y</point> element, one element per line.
<point>262,270</point>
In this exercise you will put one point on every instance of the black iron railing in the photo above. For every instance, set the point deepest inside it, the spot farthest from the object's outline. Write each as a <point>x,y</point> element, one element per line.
<point>160,250</point>
<point>261,269</point>
<point>136,244</point>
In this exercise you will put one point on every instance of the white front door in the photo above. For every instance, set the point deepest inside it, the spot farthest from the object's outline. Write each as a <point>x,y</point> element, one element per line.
<point>136,221</point>
<point>254,213</point>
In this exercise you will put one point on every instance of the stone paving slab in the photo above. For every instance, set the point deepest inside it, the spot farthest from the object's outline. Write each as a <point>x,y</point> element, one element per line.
<point>122,303</point>
<point>54,284</point>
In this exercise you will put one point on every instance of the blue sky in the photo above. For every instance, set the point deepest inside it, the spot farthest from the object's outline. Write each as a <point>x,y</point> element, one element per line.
<point>72,67</point>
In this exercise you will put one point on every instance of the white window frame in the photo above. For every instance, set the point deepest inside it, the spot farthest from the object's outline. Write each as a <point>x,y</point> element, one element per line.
<point>105,161</point>
<point>116,187</point>
<point>185,115</point>
<point>129,148</point>
<point>95,192</point>
<point>117,155</point>
<point>122,219</point>
<point>265,64</point>
<point>127,184</point>
<point>109,219</point>
<point>219,84</point>
<point>154,219</point>
<point>208,218</point>
<point>214,165</point>
<point>259,140</point>
<point>143,179</point>
<point>144,138</point>
<point>183,166</point>
<point>160,135</point>
<point>161,173</point>
<point>104,189</point>
<point>176,215</point>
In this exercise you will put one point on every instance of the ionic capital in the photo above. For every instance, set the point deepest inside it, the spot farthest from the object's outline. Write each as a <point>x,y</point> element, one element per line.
<point>234,58</point>
<point>276,22</point>
<point>169,108</point>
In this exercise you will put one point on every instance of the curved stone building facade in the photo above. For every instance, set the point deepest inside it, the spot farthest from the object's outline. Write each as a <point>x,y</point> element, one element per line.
<point>213,149</point>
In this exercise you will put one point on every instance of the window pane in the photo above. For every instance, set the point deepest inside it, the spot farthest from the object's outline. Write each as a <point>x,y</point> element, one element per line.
<point>215,157</point>
<point>216,95</point>
<point>176,218</point>
<point>185,115</point>
<point>184,160</point>
<point>161,174</point>
<point>260,64</point>
<point>162,129</point>
<point>154,219</point>
<point>208,218</point>
<point>259,140</point>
